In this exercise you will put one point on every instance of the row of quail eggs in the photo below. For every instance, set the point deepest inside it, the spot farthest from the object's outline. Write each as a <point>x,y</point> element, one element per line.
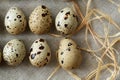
<point>40,20</point>
<point>15,51</point>
<point>68,53</point>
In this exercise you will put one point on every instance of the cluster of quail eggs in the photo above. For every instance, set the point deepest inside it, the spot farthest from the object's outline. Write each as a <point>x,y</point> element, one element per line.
<point>69,54</point>
<point>40,22</point>
<point>15,51</point>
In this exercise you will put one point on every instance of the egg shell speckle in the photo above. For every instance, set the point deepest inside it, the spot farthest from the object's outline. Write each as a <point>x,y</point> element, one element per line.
<point>15,21</point>
<point>40,53</point>
<point>69,56</point>
<point>66,21</point>
<point>14,52</point>
<point>40,20</point>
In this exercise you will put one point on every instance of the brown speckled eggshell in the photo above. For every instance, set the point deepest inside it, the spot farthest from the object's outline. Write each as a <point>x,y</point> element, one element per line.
<point>40,53</point>
<point>66,21</point>
<point>15,21</point>
<point>14,52</point>
<point>40,20</point>
<point>69,56</point>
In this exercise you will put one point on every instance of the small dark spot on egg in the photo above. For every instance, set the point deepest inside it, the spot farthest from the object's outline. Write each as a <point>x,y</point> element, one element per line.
<point>68,13</point>
<point>9,44</point>
<point>61,53</point>
<point>61,11</point>
<point>69,44</point>
<point>31,49</point>
<point>68,49</point>
<point>48,54</point>
<point>43,7</point>
<point>41,40</point>
<point>20,20</point>
<point>38,52</point>
<point>74,15</point>
<point>43,15</point>
<point>15,60</point>
<point>58,24</point>
<point>41,47</point>
<point>33,56</point>
<point>65,17</point>
<point>46,59</point>
<point>62,61</point>
<point>14,19</point>
<point>36,41</point>
<point>7,17</point>
<point>66,25</point>
<point>8,27</point>
<point>16,55</point>
<point>18,16</point>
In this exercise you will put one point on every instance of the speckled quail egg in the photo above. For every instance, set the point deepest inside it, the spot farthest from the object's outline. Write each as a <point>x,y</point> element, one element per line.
<point>66,21</point>
<point>40,20</point>
<point>69,55</point>
<point>15,21</point>
<point>14,52</point>
<point>40,53</point>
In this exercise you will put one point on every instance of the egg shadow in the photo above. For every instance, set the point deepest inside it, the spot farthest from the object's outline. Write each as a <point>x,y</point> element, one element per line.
<point>2,27</point>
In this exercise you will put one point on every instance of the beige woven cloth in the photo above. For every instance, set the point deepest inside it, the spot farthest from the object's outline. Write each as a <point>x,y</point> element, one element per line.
<point>26,71</point>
